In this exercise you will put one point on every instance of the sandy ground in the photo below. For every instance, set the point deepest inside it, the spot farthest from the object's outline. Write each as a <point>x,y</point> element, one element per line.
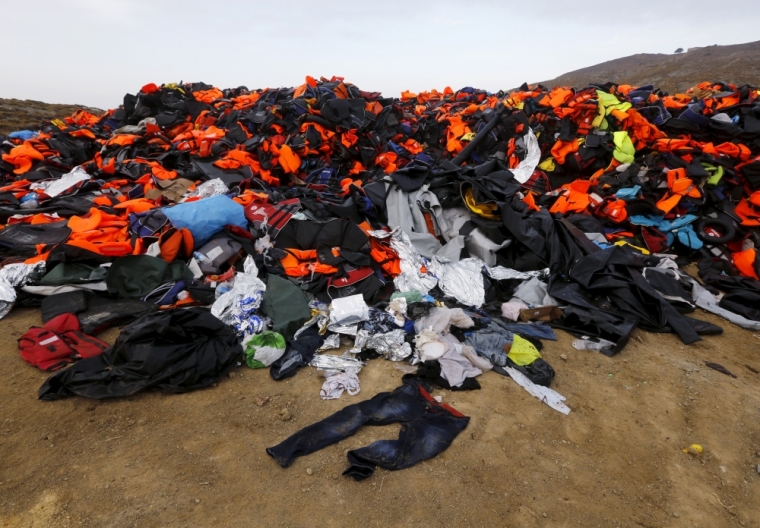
<point>198,459</point>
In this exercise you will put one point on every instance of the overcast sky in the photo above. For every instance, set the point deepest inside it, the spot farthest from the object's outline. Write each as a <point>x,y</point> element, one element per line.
<point>93,51</point>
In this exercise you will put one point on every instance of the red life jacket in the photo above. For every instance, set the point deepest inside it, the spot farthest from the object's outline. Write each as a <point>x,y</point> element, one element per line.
<point>58,343</point>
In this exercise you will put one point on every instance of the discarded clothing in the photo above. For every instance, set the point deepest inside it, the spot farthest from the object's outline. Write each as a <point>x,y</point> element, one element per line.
<point>298,353</point>
<point>58,343</point>
<point>335,384</point>
<point>175,351</point>
<point>427,429</point>
<point>548,396</point>
<point>440,320</point>
<point>455,368</point>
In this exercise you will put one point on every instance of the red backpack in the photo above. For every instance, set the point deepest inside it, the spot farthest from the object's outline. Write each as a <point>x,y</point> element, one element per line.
<point>58,343</point>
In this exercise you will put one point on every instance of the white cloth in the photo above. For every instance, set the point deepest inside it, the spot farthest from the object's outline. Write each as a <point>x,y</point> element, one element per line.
<point>440,320</point>
<point>549,396</point>
<point>334,386</point>
<point>511,310</point>
<point>455,368</point>
<point>429,345</point>
<point>466,351</point>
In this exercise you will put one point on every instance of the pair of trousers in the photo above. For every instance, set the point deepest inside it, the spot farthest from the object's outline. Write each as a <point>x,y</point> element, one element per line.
<point>428,428</point>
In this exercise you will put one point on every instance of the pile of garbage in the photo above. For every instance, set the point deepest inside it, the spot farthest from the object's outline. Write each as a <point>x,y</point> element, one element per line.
<point>449,231</point>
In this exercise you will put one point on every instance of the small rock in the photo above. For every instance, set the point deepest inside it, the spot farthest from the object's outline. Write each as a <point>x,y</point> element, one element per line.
<point>261,400</point>
<point>544,515</point>
<point>309,471</point>
<point>563,357</point>
<point>675,514</point>
<point>197,501</point>
<point>286,416</point>
<point>231,375</point>
<point>336,476</point>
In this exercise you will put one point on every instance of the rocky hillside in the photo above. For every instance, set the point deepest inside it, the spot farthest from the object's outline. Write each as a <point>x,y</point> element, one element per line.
<point>739,63</point>
<point>16,114</point>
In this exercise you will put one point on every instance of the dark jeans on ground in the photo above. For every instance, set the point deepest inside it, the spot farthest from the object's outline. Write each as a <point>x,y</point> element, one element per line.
<point>428,428</point>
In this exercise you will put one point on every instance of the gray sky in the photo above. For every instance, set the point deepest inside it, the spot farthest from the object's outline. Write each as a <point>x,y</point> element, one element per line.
<point>93,51</point>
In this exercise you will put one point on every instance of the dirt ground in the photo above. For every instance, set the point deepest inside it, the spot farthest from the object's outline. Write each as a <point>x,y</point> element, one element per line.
<point>198,459</point>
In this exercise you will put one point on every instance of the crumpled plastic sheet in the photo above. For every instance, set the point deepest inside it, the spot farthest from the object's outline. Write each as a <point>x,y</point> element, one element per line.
<point>344,329</point>
<point>524,170</point>
<point>392,345</point>
<point>360,341</point>
<point>349,310</point>
<point>331,342</point>
<point>320,317</point>
<point>237,307</point>
<point>14,276</point>
<point>502,273</point>
<point>134,129</point>
<point>462,280</point>
<point>20,274</point>
<point>65,182</point>
<point>411,278</point>
<point>210,188</point>
<point>342,363</point>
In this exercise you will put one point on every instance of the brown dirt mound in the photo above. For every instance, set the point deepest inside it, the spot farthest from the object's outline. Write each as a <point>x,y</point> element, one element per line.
<point>198,459</point>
